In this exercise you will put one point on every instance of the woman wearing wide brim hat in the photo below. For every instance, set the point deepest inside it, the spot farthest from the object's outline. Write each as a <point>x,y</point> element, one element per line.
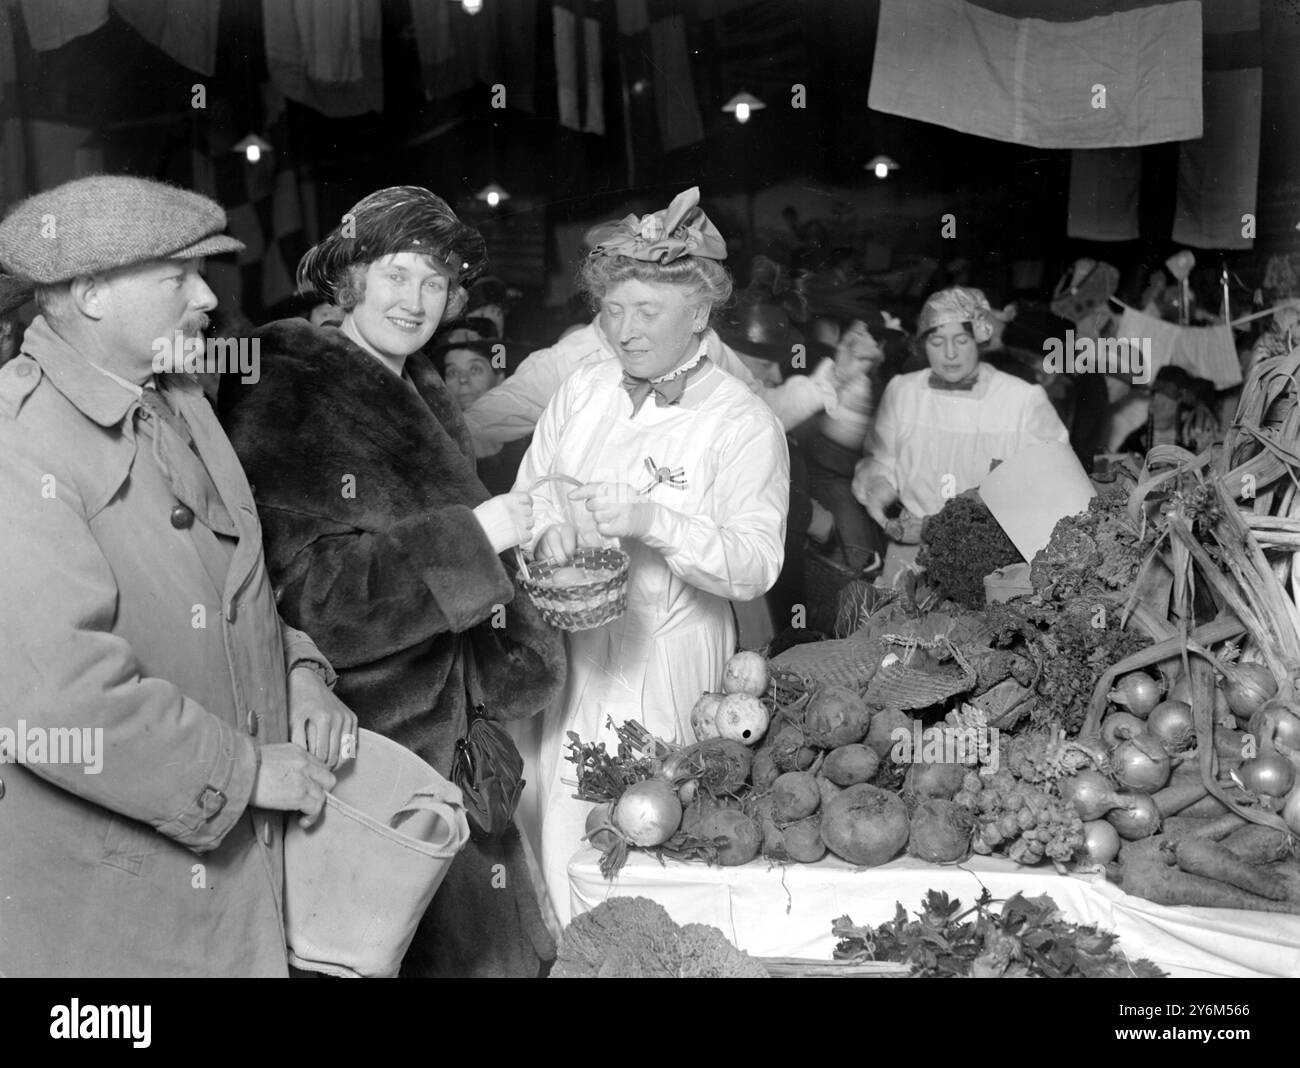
<point>384,545</point>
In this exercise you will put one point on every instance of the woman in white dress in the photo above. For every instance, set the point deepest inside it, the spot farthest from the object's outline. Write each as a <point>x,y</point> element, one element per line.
<point>683,467</point>
<point>939,431</point>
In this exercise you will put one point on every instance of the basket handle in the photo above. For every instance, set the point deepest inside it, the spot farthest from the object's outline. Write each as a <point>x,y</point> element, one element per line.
<point>424,801</point>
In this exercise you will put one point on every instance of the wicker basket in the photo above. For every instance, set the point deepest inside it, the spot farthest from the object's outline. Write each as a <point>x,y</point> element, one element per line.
<point>585,605</point>
<point>824,580</point>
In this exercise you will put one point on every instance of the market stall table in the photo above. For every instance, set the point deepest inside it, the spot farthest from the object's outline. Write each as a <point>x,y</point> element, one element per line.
<point>786,911</point>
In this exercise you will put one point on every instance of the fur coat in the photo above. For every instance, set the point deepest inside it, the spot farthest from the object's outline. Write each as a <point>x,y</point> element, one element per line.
<point>365,487</point>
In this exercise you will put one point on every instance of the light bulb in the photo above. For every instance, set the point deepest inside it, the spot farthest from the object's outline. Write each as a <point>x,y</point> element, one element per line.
<point>472,7</point>
<point>253,153</point>
<point>493,199</point>
<point>882,170</point>
<point>742,112</point>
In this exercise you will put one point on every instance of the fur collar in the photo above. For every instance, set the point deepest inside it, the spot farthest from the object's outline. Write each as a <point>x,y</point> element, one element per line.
<point>324,410</point>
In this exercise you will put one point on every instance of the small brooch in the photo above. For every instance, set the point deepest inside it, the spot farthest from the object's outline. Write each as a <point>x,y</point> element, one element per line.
<point>663,476</point>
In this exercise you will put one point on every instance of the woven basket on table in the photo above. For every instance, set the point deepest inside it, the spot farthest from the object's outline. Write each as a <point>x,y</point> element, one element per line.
<point>900,686</point>
<point>848,662</point>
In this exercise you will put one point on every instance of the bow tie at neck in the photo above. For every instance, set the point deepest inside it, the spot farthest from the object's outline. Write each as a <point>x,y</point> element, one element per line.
<point>962,385</point>
<point>667,389</point>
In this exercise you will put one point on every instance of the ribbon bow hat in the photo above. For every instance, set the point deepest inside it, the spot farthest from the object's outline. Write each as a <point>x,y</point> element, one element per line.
<point>681,229</point>
<point>958,304</point>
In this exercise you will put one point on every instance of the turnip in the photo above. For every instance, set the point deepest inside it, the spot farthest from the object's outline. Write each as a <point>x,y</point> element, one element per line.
<point>719,765</point>
<point>850,764</point>
<point>795,796</point>
<point>803,841</point>
<point>763,773</point>
<point>742,718</point>
<point>704,716</point>
<point>940,832</point>
<point>735,834</point>
<point>600,831</point>
<point>745,673</point>
<point>836,716</point>
<point>865,825</point>
<point>880,735</point>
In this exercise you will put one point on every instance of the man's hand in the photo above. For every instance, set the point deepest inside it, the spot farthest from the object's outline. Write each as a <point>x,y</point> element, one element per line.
<point>618,510</point>
<point>875,495</point>
<point>319,721</point>
<point>290,779</point>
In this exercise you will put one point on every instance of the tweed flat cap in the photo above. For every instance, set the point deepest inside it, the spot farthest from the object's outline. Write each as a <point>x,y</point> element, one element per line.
<point>108,221</point>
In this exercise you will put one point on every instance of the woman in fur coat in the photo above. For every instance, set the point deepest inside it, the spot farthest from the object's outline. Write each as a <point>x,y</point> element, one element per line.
<point>384,546</point>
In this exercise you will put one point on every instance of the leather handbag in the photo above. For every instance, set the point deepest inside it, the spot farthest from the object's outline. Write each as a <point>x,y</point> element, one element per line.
<point>487,767</point>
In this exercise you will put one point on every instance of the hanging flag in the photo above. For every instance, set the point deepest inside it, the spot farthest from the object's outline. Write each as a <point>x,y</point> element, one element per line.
<point>458,50</point>
<point>53,23</point>
<point>1218,175</point>
<point>579,67</point>
<point>184,29</point>
<point>326,54</point>
<point>1130,77</point>
<point>13,155</point>
<point>659,85</point>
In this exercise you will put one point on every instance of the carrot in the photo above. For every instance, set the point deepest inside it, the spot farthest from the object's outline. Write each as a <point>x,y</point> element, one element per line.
<point>1198,856</point>
<point>1178,826</point>
<point>1258,845</point>
<point>1206,806</point>
<point>1149,877</point>
<point>1182,791</point>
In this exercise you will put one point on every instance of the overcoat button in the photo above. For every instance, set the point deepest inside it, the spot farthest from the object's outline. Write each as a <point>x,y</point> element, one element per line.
<point>268,836</point>
<point>23,370</point>
<point>2,789</point>
<point>182,517</point>
<point>252,723</point>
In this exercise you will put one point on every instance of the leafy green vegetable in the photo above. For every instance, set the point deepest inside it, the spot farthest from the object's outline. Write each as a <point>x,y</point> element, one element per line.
<point>1026,938</point>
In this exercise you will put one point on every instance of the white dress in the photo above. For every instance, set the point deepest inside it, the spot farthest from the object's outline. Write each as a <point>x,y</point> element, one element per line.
<point>718,538</point>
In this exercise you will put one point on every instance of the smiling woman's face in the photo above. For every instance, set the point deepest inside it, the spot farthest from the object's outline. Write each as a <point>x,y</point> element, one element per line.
<point>952,352</point>
<point>405,295</point>
<point>653,328</point>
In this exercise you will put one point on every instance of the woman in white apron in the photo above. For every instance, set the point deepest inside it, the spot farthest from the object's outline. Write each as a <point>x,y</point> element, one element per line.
<point>938,432</point>
<point>683,467</point>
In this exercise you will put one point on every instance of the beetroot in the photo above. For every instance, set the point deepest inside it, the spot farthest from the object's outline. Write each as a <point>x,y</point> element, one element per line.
<point>789,751</point>
<point>850,764</point>
<point>763,771</point>
<point>795,795</point>
<point>803,841</point>
<point>735,834</point>
<point>836,716</point>
<point>880,735</point>
<point>865,825</point>
<point>940,831</point>
<point>828,790</point>
<point>773,840</point>
<point>935,779</point>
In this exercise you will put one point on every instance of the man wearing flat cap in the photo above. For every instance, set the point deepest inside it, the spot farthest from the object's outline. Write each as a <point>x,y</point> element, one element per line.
<point>158,720</point>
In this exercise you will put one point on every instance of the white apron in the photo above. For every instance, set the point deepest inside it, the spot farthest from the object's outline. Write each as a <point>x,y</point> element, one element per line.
<point>670,646</point>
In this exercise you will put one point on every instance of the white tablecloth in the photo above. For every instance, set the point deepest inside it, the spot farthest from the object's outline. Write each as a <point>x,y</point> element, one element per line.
<point>787,911</point>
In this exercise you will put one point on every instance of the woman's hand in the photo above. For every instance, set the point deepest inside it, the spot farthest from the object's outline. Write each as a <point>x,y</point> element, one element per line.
<point>507,519</point>
<point>319,721</point>
<point>906,529</point>
<point>618,510</point>
<point>557,543</point>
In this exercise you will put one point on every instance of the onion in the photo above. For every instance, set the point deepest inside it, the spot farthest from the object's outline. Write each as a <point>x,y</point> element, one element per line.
<point>1136,817</point>
<point>1182,691</point>
<point>1275,722</point>
<point>1268,775</point>
<point>1101,840</point>
<point>1248,687</point>
<point>1138,692</point>
<point>1291,812</point>
<point>1091,794</point>
<point>1141,763</point>
<point>1119,726</point>
<point>648,813</point>
<point>1172,725</point>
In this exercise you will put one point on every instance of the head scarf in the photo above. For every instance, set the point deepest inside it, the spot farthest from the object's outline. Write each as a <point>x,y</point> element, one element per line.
<point>681,229</point>
<point>402,218</point>
<point>959,304</point>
